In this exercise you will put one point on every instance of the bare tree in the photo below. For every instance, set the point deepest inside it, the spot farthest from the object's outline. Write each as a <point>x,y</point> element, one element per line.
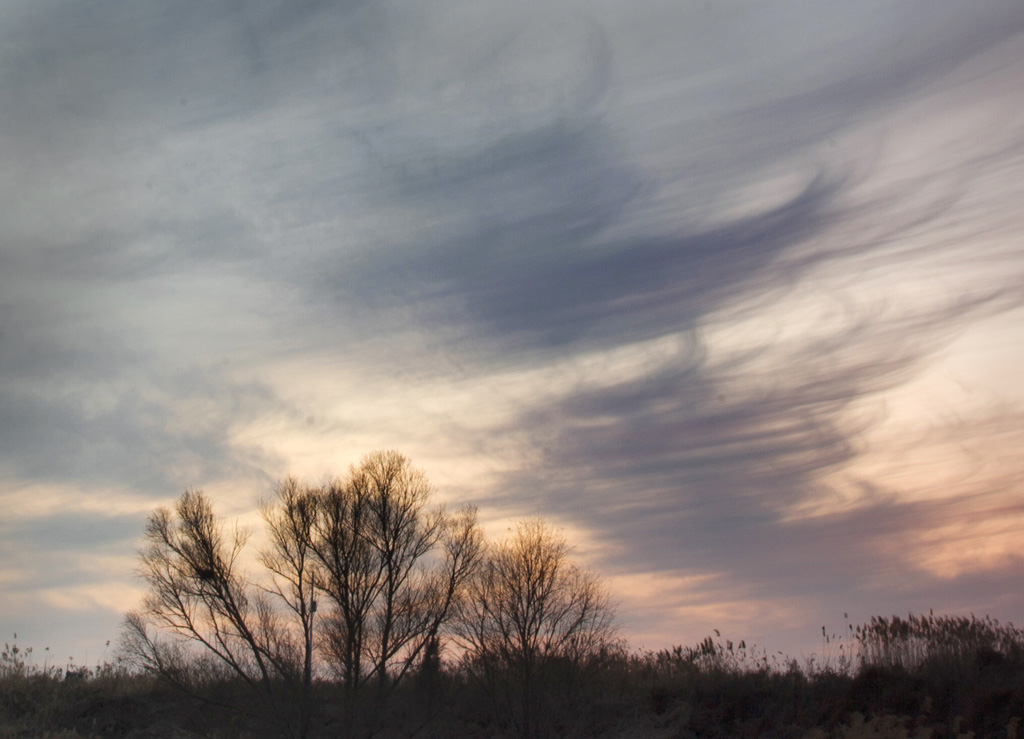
<point>387,567</point>
<point>198,595</point>
<point>392,569</point>
<point>533,622</point>
<point>288,556</point>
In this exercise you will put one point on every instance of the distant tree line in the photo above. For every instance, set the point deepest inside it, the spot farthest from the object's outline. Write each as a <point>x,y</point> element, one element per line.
<point>364,586</point>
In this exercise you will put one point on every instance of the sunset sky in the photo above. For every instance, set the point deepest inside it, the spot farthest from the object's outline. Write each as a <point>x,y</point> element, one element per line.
<point>730,291</point>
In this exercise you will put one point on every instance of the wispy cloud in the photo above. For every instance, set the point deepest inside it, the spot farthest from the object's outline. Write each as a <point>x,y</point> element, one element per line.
<point>671,273</point>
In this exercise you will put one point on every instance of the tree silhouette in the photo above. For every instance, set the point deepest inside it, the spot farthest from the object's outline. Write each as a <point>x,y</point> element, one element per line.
<point>387,567</point>
<point>534,622</point>
<point>198,596</point>
<point>391,567</point>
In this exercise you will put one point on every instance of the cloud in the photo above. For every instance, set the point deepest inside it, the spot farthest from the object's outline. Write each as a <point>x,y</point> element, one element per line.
<point>659,270</point>
<point>80,406</point>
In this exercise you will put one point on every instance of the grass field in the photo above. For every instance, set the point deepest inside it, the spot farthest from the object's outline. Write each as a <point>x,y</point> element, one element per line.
<point>920,676</point>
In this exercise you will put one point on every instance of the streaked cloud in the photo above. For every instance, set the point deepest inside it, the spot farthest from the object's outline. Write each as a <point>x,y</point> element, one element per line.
<point>704,282</point>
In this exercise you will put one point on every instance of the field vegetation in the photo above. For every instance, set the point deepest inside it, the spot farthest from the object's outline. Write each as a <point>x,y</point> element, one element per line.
<point>919,676</point>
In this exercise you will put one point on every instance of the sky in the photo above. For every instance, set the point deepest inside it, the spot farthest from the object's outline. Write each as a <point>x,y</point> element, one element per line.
<point>730,292</point>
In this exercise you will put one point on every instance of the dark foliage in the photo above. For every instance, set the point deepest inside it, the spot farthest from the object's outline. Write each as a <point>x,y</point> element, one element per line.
<point>715,689</point>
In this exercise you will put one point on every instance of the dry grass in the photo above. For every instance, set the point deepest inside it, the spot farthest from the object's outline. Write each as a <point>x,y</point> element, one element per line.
<point>918,677</point>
